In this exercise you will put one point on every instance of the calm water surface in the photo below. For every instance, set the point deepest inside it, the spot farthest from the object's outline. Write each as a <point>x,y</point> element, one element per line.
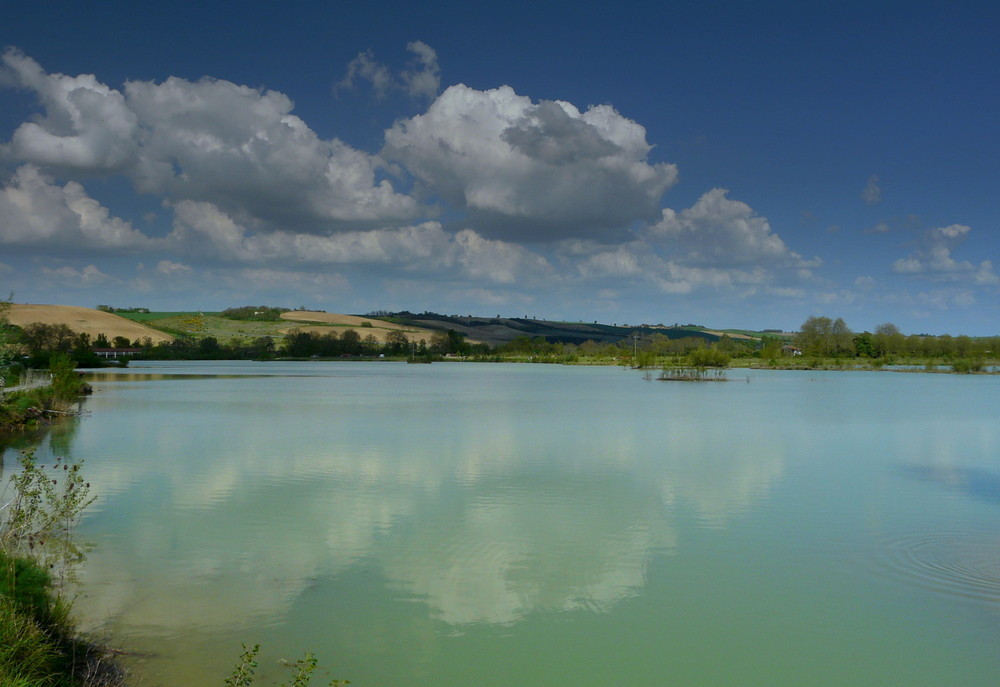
<point>464,524</point>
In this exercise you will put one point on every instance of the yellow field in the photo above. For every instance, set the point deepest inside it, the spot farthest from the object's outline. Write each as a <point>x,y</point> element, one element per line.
<point>84,320</point>
<point>341,323</point>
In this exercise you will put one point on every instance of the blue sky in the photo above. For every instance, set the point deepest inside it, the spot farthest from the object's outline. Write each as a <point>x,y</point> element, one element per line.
<point>728,164</point>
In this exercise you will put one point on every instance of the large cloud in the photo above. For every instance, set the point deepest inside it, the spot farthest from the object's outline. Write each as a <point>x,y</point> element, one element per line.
<point>721,232</point>
<point>35,211</point>
<point>212,140</point>
<point>531,171</point>
<point>718,243</point>
<point>202,228</point>
<point>87,126</point>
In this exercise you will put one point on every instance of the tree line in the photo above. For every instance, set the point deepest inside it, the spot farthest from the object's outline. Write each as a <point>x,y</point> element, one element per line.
<point>826,338</point>
<point>819,337</point>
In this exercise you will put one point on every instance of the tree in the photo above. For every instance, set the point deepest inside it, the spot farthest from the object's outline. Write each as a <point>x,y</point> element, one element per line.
<point>262,348</point>
<point>841,338</point>
<point>67,384</point>
<point>821,336</point>
<point>814,336</point>
<point>351,341</point>
<point>396,342</point>
<point>48,338</point>
<point>863,347</point>
<point>771,346</point>
<point>888,340</point>
<point>6,335</point>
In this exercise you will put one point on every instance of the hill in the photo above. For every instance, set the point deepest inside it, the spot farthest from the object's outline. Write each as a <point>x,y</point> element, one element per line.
<point>499,330</point>
<point>324,321</point>
<point>84,320</point>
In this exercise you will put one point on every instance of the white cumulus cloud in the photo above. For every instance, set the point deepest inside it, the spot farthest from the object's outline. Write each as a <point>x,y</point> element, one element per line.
<point>202,228</point>
<point>238,147</point>
<point>86,127</point>
<point>718,231</point>
<point>36,211</point>
<point>532,171</point>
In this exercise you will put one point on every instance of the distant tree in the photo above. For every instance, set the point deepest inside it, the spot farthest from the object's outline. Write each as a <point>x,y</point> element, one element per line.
<point>842,338</point>
<point>120,342</point>
<point>944,346</point>
<point>888,340</point>
<point>351,341</point>
<point>708,357</point>
<point>963,346</point>
<point>863,347</point>
<point>396,342</point>
<point>40,337</point>
<point>207,348</point>
<point>771,346</point>
<point>256,313</point>
<point>102,341</point>
<point>6,333</point>
<point>262,348</point>
<point>813,336</point>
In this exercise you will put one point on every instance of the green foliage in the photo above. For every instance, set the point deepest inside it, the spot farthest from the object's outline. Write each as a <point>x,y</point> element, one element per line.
<point>244,671</point>
<point>43,511</point>
<point>966,366</point>
<point>254,313</point>
<point>708,357</point>
<point>41,507</point>
<point>302,669</point>
<point>66,382</point>
<point>823,337</point>
<point>29,657</point>
<point>645,359</point>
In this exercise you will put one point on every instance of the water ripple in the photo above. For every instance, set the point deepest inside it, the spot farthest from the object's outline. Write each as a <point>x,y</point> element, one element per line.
<point>960,565</point>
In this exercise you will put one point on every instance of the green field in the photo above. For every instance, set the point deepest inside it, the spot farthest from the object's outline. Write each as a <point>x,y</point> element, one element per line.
<point>148,317</point>
<point>224,330</point>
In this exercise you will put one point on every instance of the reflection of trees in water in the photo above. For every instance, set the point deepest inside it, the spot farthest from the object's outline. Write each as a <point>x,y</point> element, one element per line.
<point>61,436</point>
<point>49,440</point>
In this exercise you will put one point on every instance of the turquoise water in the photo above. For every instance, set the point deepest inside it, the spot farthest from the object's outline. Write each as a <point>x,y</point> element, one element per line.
<point>466,524</point>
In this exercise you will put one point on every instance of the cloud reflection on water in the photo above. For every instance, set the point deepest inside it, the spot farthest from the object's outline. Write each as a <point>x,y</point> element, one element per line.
<point>219,524</point>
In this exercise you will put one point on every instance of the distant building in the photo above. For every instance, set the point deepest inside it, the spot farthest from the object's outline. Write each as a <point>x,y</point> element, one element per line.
<point>117,352</point>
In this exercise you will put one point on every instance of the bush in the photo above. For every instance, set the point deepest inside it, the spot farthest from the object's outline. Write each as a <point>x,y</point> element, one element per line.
<point>708,357</point>
<point>966,366</point>
<point>67,384</point>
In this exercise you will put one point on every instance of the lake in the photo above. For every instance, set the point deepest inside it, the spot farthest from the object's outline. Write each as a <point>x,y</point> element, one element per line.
<point>485,525</point>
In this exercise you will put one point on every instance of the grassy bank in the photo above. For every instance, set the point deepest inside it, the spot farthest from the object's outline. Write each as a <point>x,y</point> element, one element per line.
<point>22,410</point>
<point>38,643</point>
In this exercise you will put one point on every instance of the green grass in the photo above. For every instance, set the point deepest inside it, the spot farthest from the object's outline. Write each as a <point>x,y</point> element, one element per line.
<point>147,317</point>
<point>36,648</point>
